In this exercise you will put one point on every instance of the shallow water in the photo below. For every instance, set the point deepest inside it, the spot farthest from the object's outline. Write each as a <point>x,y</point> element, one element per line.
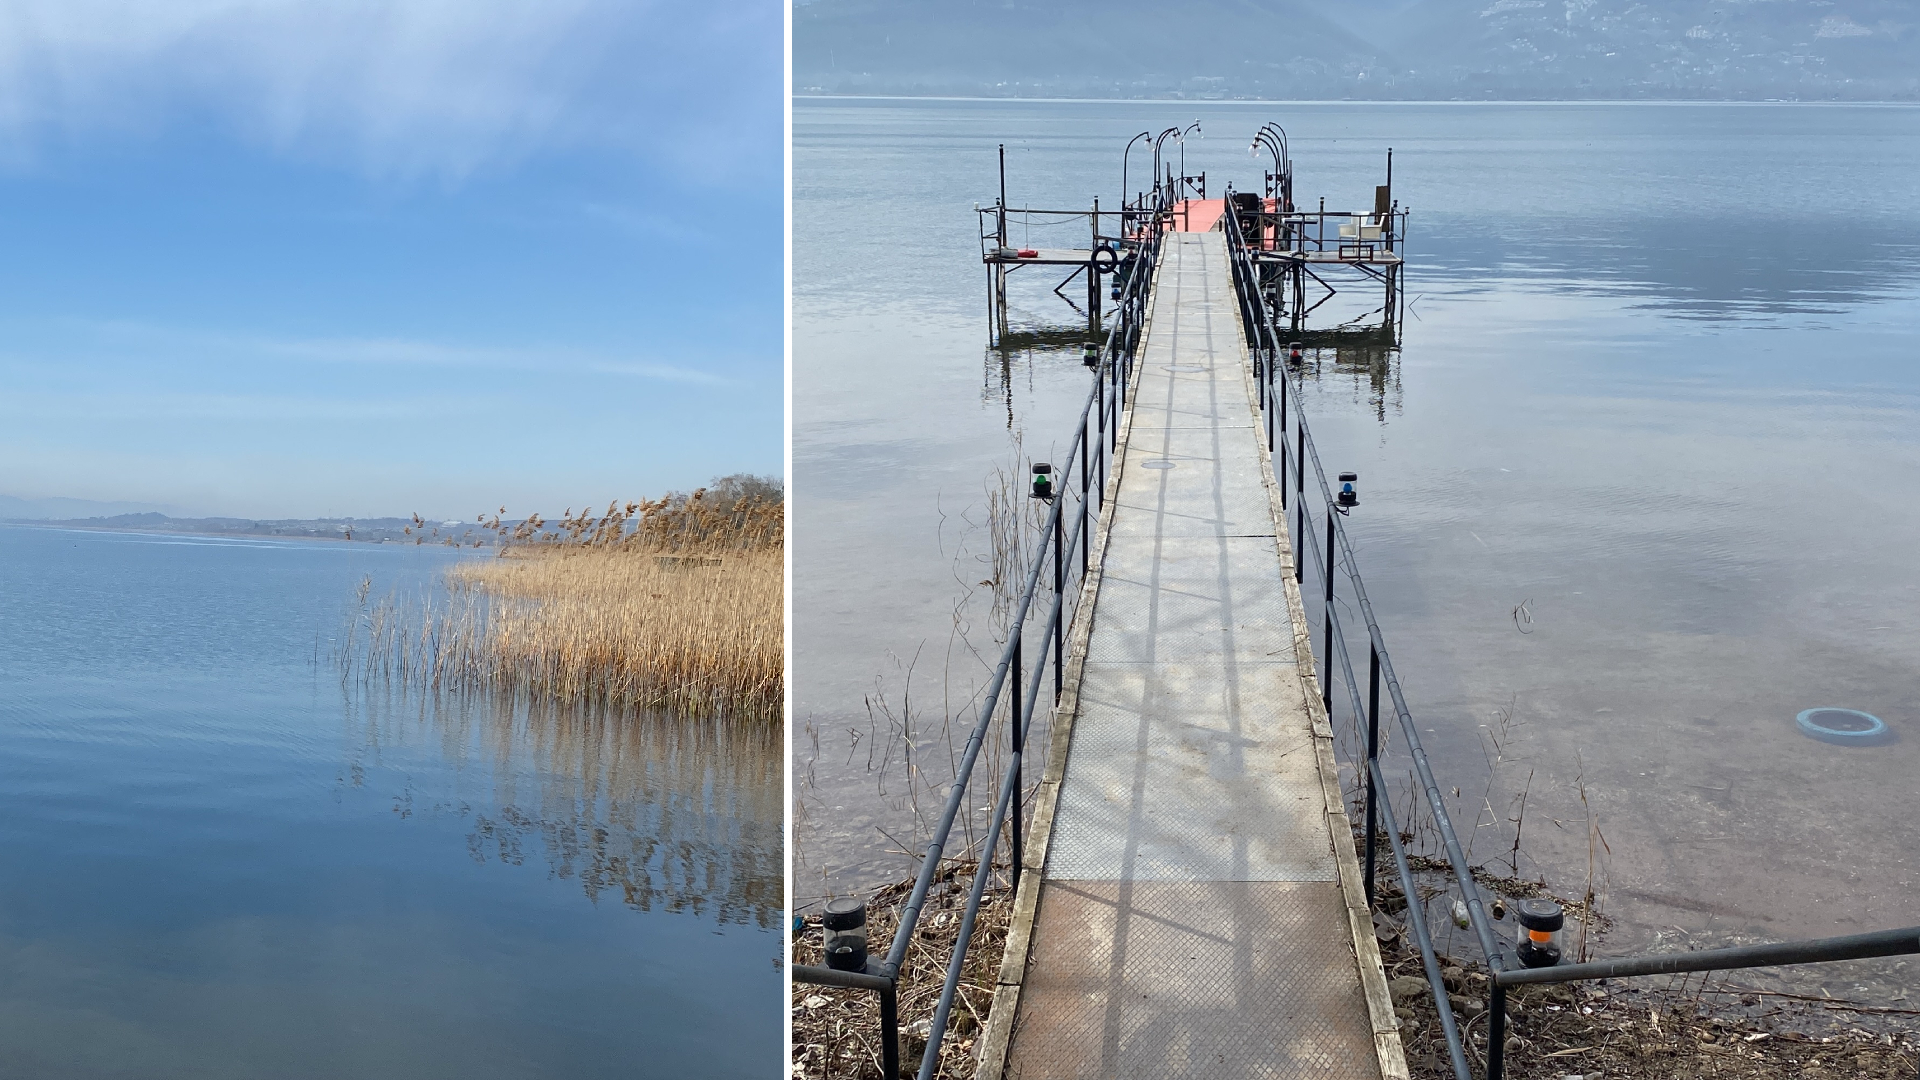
<point>1657,391</point>
<point>224,862</point>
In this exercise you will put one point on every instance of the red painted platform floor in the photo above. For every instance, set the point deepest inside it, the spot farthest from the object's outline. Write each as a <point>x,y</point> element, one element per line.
<point>1198,215</point>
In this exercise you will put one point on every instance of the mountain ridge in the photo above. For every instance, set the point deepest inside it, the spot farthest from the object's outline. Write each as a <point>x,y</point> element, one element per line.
<point>1859,50</point>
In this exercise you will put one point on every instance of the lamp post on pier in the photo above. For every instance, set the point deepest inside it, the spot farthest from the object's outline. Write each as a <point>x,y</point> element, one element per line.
<point>1123,177</point>
<point>1157,141</point>
<point>1182,140</point>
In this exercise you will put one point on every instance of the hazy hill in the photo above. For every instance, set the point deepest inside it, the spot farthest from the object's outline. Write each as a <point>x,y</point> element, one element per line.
<point>392,530</point>
<point>14,508</point>
<point>1756,49</point>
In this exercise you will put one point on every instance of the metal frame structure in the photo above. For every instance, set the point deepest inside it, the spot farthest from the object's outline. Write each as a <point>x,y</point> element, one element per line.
<point>1332,249</point>
<point>1103,257</point>
<point>1289,247</point>
<point>1144,210</point>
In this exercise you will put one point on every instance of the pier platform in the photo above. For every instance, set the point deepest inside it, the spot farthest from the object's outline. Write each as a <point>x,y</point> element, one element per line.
<point>1197,910</point>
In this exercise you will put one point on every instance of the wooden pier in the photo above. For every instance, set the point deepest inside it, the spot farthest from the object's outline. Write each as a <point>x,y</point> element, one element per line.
<point>1191,905</point>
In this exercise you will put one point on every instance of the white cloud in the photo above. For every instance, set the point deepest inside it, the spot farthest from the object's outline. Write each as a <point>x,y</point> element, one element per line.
<point>166,344</point>
<point>393,87</point>
<point>152,408</point>
<point>434,354</point>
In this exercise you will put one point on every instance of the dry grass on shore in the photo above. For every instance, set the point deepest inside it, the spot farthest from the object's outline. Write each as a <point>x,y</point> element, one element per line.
<point>1677,1028</point>
<point>1639,1029</point>
<point>836,1032</point>
<point>671,604</point>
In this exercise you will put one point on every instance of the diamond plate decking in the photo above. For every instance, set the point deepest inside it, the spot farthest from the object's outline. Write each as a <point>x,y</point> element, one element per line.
<point>1191,920</point>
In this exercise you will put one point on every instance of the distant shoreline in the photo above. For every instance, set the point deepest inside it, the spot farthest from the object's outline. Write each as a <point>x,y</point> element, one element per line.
<point>995,99</point>
<point>184,528</point>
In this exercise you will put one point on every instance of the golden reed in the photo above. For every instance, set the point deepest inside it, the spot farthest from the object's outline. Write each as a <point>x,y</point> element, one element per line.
<point>674,603</point>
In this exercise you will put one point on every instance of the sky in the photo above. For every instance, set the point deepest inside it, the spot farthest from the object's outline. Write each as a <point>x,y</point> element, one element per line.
<point>280,258</point>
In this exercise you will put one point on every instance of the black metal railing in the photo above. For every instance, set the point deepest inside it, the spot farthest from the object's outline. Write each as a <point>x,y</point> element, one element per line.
<point>1283,415</point>
<point>1060,545</point>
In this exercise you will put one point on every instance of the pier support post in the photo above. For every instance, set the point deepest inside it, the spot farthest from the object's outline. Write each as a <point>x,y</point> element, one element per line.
<point>1000,299</point>
<point>1299,295</point>
<point>1093,277</point>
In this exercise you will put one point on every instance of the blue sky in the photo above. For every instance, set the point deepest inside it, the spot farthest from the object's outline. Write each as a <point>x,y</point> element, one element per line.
<point>364,258</point>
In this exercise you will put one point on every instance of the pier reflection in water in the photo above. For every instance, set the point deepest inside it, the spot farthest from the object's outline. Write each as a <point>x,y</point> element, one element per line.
<point>652,810</point>
<point>1369,371</point>
<point>1008,369</point>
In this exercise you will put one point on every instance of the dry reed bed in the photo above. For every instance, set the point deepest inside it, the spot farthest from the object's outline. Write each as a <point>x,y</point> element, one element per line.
<point>673,604</point>
<point>633,626</point>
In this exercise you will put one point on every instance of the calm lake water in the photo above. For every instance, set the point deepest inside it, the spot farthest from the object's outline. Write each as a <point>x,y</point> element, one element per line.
<point>220,862</point>
<point>1642,484</point>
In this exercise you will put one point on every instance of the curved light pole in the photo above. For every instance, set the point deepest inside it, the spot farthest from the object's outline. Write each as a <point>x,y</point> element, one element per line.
<point>1263,140</point>
<point>1182,140</point>
<point>1276,137</point>
<point>1157,140</point>
<point>1279,133</point>
<point>1123,175</point>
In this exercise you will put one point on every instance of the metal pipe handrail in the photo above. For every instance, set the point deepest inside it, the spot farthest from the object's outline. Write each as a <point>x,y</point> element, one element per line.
<point>1309,452</point>
<point>1098,435</point>
<point>1902,942</point>
<point>1449,839</point>
<point>1339,549</point>
<point>1338,545</point>
<point>1416,919</point>
<point>1416,922</point>
<point>1012,783</point>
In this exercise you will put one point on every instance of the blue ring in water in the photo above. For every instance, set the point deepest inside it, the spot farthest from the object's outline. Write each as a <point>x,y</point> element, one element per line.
<point>1875,728</point>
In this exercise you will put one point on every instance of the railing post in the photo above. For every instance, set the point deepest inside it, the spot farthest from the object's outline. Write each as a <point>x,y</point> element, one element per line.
<point>1100,474</point>
<point>1373,755</point>
<point>1086,451</point>
<point>1272,402</point>
<point>1282,478</point>
<point>1281,410</point>
<point>1100,401</point>
<point>890,1030</point>
<point>1285,378</point>
<point>1496,1032</point>
<point>1326,568</point>
<point>1300,500</point>
<point>1013,721</point>
<point>1059,591</point>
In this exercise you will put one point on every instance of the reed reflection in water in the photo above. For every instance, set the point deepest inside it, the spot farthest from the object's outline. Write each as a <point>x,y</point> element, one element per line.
<point>664,812</point>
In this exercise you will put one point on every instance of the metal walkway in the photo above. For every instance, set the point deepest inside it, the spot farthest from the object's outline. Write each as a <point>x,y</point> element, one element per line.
<point>1193,920</point>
